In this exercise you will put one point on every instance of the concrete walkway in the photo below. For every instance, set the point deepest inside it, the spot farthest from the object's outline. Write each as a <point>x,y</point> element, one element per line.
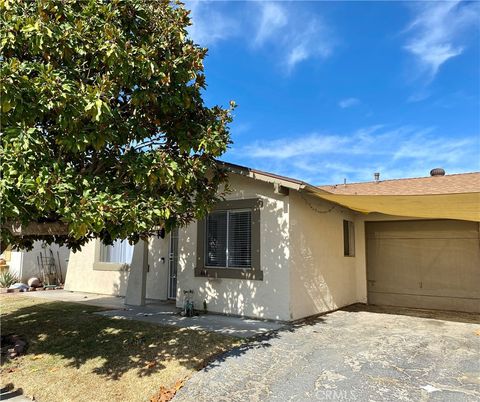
<point>163,313</point>
<point>233,326</point>
<point>13,395</point>
<point>351,355</point>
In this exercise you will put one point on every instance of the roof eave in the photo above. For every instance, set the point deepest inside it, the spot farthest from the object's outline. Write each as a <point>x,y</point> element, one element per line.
<point>266,177</point>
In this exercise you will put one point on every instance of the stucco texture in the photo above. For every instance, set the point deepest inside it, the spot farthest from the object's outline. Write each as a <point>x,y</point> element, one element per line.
<point>304,269</point>
<point>267,298</point>
<point>321,277</point>
<point>24,264</point>
<point>301,258</point>
<point>82,276</point>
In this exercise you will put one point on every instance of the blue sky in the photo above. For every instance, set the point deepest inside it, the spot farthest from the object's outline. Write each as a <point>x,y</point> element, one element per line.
<point>334,90</point>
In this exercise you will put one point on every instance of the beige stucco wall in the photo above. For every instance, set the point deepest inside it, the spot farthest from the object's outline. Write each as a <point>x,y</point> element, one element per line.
<point>301,256</point>
<point>321,277</point>
<point>268,298</point>
<point>25,265</point>
<point>82,277</point>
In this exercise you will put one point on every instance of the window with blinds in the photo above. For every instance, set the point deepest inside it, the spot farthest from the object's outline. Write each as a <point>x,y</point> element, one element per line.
<point>229,239</point>
<point>216,253</point>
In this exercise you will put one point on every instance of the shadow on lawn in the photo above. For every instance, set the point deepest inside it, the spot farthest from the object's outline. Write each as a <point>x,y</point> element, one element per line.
<point>69,331</point>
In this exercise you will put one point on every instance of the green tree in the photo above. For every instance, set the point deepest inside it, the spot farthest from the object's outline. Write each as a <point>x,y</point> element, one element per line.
<point>104,129</point>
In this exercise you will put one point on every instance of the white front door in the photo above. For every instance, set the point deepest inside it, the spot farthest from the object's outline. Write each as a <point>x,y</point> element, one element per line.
<point>173,264</point>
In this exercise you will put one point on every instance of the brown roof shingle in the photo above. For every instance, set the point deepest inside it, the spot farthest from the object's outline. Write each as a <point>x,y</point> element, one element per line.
<point>448,184</point>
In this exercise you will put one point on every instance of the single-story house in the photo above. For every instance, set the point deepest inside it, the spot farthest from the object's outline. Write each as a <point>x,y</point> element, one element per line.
<point>278,248</point>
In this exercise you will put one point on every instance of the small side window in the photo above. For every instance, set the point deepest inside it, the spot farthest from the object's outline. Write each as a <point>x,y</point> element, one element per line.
<point>120,252</point>
<point>348,239</point>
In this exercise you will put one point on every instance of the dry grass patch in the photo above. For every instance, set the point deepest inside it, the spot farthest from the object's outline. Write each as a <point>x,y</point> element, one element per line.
<point>74,355</point>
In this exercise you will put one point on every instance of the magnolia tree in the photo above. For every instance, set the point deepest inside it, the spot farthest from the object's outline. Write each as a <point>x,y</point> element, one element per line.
<point>104,130</point>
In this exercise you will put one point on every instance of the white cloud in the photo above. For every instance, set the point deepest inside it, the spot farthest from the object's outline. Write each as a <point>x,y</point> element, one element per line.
<point>433,149</point>
<point>273,17</point>
<point>419,96</point>
<point>348,102</point>
<point>399,151</point>
<point>287,147</point>
<point>296,55</point>
<point>305,40</point>
<point>209,23</point>
<point>286,30</point>
<point>436,33</point>
<point>365,134</point>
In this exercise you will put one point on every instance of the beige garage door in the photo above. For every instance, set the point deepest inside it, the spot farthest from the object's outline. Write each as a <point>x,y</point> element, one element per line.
<point>426,264</point>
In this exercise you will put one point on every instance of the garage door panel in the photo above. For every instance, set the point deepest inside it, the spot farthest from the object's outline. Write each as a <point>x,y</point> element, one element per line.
<point>391,269</point>
<point>451,267</point>
<point>411,261</point>
<point>425,301</point>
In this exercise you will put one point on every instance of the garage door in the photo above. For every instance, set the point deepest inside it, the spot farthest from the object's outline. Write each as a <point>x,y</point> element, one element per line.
<point>426,264</point>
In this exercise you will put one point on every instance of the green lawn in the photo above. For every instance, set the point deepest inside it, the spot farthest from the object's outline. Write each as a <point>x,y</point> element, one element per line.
<point>75,355</point>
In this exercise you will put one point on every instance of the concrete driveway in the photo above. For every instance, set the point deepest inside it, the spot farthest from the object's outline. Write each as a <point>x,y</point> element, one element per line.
<point>357,354</point>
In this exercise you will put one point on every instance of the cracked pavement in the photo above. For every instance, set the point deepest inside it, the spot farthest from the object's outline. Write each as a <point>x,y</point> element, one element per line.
<point>362,353</point>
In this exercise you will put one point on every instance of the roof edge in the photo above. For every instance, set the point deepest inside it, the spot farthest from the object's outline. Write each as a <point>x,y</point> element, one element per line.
<point>267,177</point>
<point>299,185</point>
<point>322,186</point>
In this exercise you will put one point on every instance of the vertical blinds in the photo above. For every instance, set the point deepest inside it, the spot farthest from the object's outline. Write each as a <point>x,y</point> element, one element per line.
<point>229,239</point>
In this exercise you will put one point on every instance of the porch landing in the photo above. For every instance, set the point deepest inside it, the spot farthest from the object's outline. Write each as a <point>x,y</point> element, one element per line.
<point>163,313</point>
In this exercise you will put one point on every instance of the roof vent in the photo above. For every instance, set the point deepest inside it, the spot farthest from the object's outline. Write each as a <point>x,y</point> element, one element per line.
<point>437,172</point>
<point>376,176</point>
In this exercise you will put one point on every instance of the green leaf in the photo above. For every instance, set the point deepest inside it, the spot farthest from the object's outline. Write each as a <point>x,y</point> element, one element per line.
<point>98,104</point>
<point>6,106</point>
<point>82,86</point>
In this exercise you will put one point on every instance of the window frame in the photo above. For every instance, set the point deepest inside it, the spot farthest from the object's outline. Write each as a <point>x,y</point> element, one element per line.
<point>252,273</point>
<point>99,265</point>
<point>348,238</point>
<point>227,256</point>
